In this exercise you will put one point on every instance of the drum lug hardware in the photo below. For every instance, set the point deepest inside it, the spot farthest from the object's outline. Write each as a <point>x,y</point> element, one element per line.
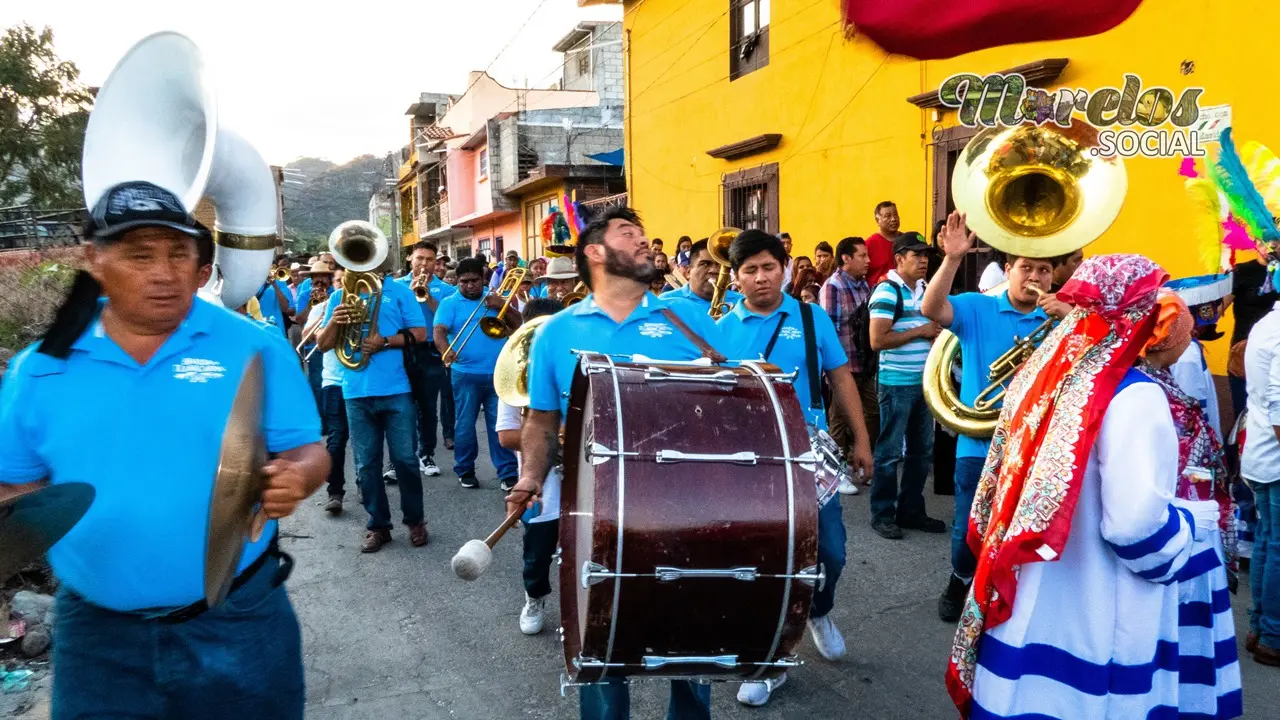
<point>786,662</point>
<point>566,683</point>
<point>721,377</point>
<point>669,574</point>
<point>739,458</point>
<point>653,662</point>
<point>808,461</point>
<point>581,662</point>
<point>813,576</point>
<point>594,573</point>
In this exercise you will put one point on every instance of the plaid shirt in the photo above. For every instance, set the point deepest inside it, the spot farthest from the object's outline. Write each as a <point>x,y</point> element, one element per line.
<point>841,297</point>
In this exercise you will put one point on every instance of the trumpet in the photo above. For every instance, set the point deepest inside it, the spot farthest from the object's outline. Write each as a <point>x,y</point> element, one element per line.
<point>718,247</point>
<point>281,274</point>
<point>493,327</point>
<point>578,295</point>
<point>419,287</point>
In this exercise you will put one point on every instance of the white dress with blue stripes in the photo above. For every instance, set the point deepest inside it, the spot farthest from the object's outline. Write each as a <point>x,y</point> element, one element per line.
<point>1133,620</point>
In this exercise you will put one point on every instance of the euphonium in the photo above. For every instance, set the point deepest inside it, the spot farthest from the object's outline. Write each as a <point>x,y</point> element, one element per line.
<point>511,373</point>
<point>718,247</point>
<point>360,248</point>
<point>578,295</point>
<point>155,119</point>
<point>1031,191</point>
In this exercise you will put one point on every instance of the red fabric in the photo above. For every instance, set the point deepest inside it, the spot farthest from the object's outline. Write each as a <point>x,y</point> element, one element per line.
<point>937,29</point>
<point>880,250</point>
<point>1053,411</point>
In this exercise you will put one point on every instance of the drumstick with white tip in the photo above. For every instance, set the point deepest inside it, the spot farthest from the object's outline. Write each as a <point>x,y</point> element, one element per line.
<point>475,556</point>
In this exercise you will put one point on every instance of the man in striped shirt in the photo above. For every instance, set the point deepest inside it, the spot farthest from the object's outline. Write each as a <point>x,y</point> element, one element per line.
<point>903,336</point>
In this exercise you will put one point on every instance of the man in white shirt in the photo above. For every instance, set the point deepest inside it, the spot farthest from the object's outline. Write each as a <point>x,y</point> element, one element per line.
<point>1260,466</point>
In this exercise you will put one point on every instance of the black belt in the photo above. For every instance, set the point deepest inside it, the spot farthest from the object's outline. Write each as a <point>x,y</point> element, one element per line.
<point>198,608</point>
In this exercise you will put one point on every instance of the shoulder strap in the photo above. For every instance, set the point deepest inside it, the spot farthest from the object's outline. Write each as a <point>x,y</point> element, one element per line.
<point>811,356</point>
<point>773,339</point>
<point>707,351</point>
<point>897,306</point>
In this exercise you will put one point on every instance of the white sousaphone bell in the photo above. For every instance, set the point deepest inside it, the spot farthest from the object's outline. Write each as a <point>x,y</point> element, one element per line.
<point>156,119</point>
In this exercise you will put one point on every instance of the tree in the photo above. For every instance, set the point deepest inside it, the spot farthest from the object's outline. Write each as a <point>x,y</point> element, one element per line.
<point>43,113</point>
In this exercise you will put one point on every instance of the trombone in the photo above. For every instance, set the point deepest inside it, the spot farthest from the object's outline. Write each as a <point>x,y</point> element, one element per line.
<point>493,327</point>
<point>718,247</point>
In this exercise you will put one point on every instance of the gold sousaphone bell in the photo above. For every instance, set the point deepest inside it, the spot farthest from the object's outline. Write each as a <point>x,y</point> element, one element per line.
<point>1032,191</point>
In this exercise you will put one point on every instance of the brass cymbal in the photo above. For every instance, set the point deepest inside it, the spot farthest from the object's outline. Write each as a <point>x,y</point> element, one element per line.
<point>511,374</point>
<point>234,507</point>
<point>32,521</point>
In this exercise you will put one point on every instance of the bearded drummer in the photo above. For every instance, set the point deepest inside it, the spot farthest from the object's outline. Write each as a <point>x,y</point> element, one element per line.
<point>621,317</point>
<point>131,396</point>
<point>770,324</point>
<point>986,326</point>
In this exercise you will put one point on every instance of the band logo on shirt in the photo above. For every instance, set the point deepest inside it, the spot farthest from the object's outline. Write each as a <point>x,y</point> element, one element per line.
<point>655,330</point>
<point>198,370</point>
<point>790,333</point>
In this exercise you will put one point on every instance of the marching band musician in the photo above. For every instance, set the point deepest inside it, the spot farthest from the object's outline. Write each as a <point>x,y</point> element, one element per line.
<point>431,377</point>
<point>559,280</point>
<point>471,366</point>
<point>771,324</point>
<point>986,326</point>
<point>276,301</point>
<point>702,276</point>
<point>621,316</point>
<point>333,412</point>
<point>380,407</point>
<point>541,524</point>
<point>134,636</point>
<point>313,292</point>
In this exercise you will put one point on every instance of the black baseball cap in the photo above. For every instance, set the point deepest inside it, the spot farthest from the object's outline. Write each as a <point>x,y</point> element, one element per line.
<point>909,242</point>
<point>138,204</point>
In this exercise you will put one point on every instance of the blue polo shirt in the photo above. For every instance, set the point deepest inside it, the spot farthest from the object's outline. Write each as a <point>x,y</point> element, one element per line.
<point>301,294</point>
<point>584,326</point>
<point>732,297</point>
<point>269,304</point>
<point>439,290</point>
<point>147,437</point>
<point>384,375</point>
<point>985,325</point>
<point>747,334</point>
<point>480,354</point>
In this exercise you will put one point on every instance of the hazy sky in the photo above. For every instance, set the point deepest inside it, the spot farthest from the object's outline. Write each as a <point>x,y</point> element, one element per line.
<point>326,78</point>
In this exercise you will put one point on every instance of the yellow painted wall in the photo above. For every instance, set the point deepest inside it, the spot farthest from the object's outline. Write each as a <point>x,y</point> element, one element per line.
<point>850,139</point>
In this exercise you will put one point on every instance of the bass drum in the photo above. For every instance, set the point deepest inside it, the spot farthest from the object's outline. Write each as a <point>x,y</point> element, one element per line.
<point>688,526</point>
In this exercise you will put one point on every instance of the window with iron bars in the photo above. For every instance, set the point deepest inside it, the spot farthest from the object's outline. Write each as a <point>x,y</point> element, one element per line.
<point>751,198</point>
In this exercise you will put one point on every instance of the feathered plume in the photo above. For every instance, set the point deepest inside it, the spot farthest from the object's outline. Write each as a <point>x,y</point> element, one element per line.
<point>1206,227</point>
<point>1264,170</point>
<point>1247,205</point>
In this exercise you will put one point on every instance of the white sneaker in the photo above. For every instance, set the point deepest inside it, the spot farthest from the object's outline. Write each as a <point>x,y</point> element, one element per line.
<point>827,638</point>
<point>531,615</point>
<point>847,487</point>
<point>429,467</point>
<point>756,693</point>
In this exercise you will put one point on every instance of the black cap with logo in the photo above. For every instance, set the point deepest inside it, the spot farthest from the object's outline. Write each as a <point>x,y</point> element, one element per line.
<point>139,204</point>
<point>909,242</point>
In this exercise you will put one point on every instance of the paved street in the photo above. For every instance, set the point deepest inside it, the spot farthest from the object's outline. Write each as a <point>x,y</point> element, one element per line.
<point>397,635</point>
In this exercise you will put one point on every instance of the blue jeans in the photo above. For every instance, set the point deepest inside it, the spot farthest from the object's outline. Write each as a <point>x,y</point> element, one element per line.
<point>315,368</point>
<point>968,470</point>
<point>447,409</point>
<point>903,414</point>
<point>611,700</point>
<point>333,416</point>
<point>1264,567</point>
<point>393,419</point>
<point>470,393</point>
<point>540,540</point>
<point>831,554</point>
<point>242,659</point>
<point>429,378</point>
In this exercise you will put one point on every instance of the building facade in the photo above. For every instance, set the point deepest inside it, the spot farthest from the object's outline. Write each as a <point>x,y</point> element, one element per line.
<point>759,114</point>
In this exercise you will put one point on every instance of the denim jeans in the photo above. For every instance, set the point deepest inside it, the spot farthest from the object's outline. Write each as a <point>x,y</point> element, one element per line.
<point>540,540</point>
<point>428,380</point>
<point>968,470</point>
<point>315,368</point>
<point>1264,567</point>
<point>471,392</point>
<point>611,700</point>
<point>447,409</point>
<point>831,555</point>
<point>903,415</point>
<point>242,659</point>
<point>333,416</point>
<point>393,419</point>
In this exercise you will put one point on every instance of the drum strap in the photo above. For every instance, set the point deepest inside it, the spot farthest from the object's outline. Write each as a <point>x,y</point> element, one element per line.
<point>707,351</point>
<point>811,357</point>
<point>773,339</point>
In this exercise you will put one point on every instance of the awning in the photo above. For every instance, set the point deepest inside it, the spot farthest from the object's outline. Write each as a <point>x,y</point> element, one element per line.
<point>613,157</point>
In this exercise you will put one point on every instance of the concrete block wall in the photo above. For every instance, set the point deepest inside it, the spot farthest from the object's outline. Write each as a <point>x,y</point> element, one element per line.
<point>607,64</point>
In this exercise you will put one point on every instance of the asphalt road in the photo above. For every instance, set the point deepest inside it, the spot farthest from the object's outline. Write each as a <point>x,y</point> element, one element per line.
<point>396,635</point>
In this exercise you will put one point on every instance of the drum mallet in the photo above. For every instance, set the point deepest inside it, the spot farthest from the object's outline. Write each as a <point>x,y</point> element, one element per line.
<point>474,557</point>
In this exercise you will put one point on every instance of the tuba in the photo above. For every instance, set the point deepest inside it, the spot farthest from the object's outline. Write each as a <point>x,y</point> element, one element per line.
<point>511,373</point>
<point>360,248</point>
<point>718,247</point>
<point>1033,191</point>
<point>156,119</point>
